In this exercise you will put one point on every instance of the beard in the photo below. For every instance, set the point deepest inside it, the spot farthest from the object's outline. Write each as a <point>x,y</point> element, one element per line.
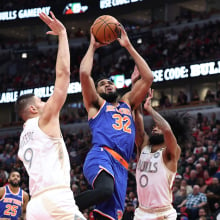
<point>14,184</point>
<point>156,139</point>
<point>110,97</point>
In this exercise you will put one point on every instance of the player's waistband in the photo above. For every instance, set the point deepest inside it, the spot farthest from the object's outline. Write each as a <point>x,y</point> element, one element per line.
<point>117,156</point>
<point>49,189</point>
<point>155,210</point>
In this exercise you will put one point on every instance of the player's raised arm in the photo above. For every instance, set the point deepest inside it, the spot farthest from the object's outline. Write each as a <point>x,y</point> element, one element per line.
<point>172,148</point>
<point>56,101</point>
<point>141,137</point>
<point>141,87</point>
<point>90,97</point>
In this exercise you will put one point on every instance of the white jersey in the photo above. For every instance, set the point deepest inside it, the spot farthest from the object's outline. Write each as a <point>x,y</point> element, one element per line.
<point>154,180</point>
<point>45,158</point>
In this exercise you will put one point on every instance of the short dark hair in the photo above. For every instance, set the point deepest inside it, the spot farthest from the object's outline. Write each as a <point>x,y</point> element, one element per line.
<point>22,102</point>
<point>103,76</point>
<point>181,124</point>
<point>12,171</point>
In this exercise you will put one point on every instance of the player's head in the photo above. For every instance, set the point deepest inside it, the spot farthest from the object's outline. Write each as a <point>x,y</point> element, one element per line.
<point>156,136</point>
<point>28,106</point>
<point>181,125</point>
<point>106,89</point>
<point>14,178</point>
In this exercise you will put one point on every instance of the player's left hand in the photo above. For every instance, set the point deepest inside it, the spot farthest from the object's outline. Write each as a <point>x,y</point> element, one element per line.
<point>147,104</point>
<point>123,40</point>
<point>55,25</point>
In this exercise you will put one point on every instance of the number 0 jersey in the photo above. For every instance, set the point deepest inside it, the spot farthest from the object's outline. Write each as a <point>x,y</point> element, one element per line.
<point>113,126</point>
<point>11,204</point>
<point>45,158</point>
<point>154,180</point>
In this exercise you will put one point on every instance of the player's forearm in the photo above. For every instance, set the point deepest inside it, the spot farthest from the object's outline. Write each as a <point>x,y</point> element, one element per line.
<point>158,119</point>
<point>139,126</point>
<point>144,69</point>
<point>87,62</point>
<point>202,204</point>
<point>63,55</point>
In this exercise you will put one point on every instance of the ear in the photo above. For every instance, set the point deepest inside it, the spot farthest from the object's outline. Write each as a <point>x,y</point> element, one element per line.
<point>33,109</point>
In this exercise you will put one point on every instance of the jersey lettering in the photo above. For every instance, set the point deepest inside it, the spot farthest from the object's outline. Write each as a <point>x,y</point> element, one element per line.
<point>146,166</point>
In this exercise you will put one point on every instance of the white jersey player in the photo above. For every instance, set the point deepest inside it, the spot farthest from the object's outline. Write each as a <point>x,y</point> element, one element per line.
<point>42,148</point>
<point>158,156</point>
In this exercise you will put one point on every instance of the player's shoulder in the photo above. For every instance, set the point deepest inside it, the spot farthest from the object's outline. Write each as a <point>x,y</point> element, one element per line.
<point>2,191</point>
<point>25,194</point>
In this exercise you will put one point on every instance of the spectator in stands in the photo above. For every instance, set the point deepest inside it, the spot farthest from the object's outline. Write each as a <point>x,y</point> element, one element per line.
<point>179,198</point>
<point>202,214</point>
<point>164,100</point>
<point>129,212</point>
<point>209,97</point>
<point>187,187</point>
<point>218,95</point>
<point>199,170</point>
<point>192,178</point>
<point>212,167</point>
<point>207,177</point>
<point>213,193</point>
<point>194,201</point>
<point>182,98</point>
<point>195,96</point>
<point>211,153</point>
<point>216,214</point>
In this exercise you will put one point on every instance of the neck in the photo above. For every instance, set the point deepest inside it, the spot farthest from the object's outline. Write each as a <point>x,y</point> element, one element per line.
<point>114,103</point>
<point>155,148</point>
<point>14,189</point>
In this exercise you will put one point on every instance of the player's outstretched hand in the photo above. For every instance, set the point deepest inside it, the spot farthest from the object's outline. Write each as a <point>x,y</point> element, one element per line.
<point>55,25</point>
<point>147,104</point>
<point>95,43</point>
<point>123,40</point>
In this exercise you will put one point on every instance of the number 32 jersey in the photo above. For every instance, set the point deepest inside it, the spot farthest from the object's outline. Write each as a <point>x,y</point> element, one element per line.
<point>113,126</point>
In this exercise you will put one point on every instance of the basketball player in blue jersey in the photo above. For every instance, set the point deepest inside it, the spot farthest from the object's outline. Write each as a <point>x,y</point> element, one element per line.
<point>13,200</point>
<point>113,130</point>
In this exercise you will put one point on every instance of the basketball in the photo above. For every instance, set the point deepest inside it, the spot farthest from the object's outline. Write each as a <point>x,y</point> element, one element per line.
<point>106,29</point>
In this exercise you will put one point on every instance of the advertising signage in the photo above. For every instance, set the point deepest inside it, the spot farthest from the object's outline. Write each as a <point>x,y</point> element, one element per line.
<point>113,3</point>
<point>184,72</point>
<point>161,75</point>
<point>23,13</point>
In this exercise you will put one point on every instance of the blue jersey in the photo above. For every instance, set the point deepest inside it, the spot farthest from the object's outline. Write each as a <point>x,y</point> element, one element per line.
<point>114,127</point>
<point>11,204</point>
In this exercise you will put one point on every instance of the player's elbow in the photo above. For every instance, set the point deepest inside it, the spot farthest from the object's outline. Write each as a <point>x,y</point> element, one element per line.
<point>150,77</point>
<point>64,71</point>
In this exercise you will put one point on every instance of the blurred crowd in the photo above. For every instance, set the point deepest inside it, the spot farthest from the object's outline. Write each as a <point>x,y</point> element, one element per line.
<point>197,179</point>
<point>164,48</point>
